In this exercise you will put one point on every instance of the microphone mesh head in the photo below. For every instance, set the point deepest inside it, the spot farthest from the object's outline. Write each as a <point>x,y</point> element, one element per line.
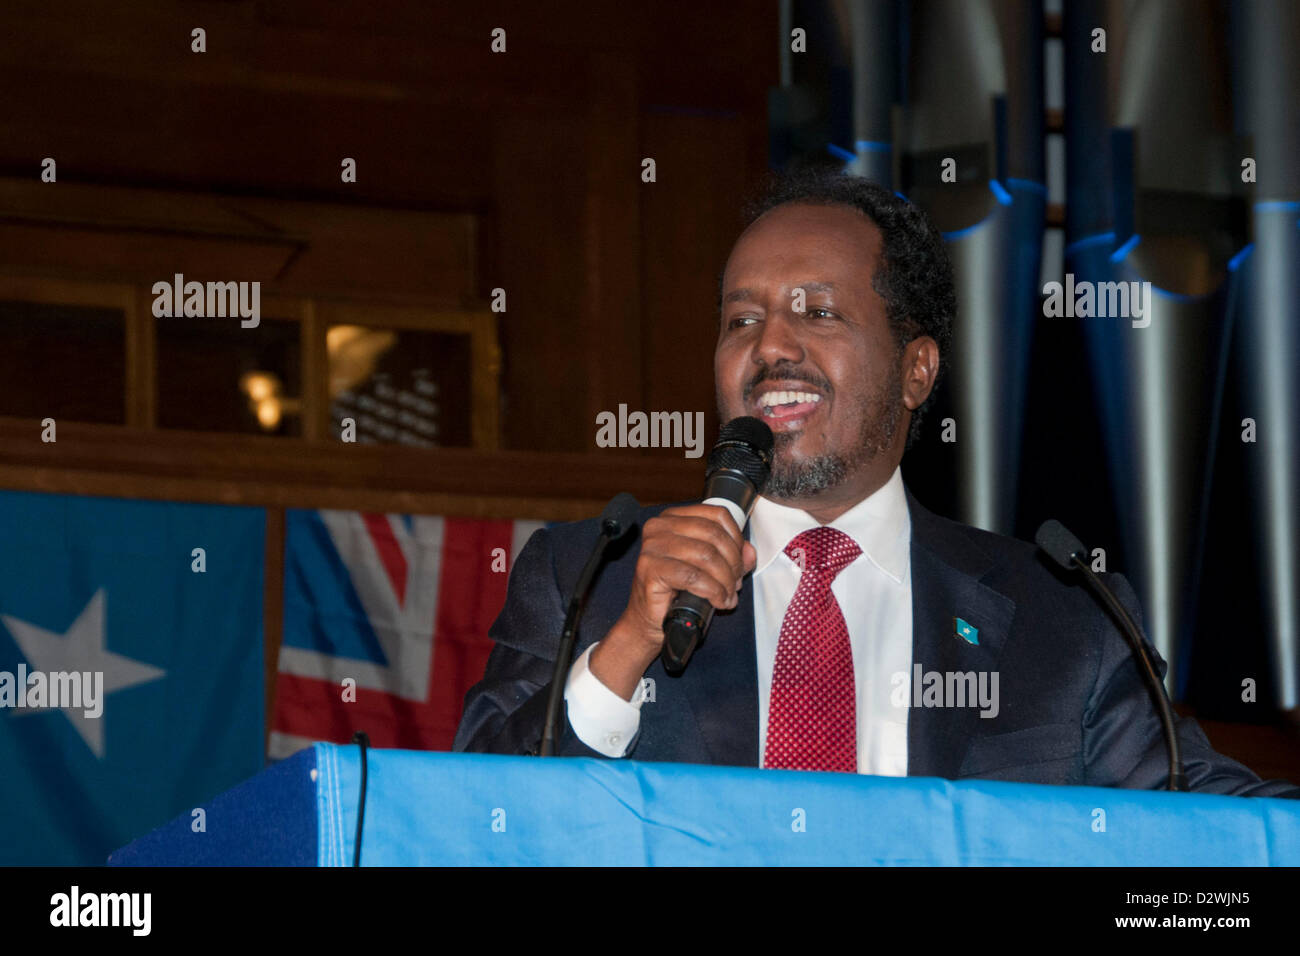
<point>619,515</point>
<point>1058,543</point>
<point>744,445</point>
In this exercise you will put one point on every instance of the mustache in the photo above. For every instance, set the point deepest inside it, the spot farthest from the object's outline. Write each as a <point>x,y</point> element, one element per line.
<point>782,373</point>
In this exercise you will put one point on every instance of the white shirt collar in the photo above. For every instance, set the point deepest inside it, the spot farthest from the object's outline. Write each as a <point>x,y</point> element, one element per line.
<point>879,523</point>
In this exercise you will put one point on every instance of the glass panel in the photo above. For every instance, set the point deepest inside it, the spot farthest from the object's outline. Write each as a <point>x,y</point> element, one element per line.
<point>401,387</point>
<point>216,376</point>
<point>62,361</point>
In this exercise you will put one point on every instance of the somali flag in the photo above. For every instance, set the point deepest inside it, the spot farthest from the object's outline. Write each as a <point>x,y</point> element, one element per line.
<point>161,605</point>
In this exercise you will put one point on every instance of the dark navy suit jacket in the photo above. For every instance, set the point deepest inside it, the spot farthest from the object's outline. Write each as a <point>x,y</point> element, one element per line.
<point>1072,705</point>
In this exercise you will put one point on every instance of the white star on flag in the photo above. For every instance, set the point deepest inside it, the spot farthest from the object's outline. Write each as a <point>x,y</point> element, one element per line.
<point>82,648</point>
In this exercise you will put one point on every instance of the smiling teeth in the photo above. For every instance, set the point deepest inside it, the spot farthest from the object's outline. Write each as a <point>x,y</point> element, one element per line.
<point>787,398</point>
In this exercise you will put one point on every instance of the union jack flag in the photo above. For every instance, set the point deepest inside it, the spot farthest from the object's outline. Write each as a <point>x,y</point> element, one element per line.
<point>401,604</point>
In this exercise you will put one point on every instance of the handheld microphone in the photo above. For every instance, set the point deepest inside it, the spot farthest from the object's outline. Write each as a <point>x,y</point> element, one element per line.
<point>1068,551</point>
<point>738,468</point>
<point>615,521</point>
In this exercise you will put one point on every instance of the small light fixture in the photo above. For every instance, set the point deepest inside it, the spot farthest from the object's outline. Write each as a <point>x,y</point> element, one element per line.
<point>354,352</point>
<point>266,399</point>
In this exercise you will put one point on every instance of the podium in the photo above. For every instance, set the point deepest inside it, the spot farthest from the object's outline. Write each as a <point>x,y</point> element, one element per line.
<point>438,809</point>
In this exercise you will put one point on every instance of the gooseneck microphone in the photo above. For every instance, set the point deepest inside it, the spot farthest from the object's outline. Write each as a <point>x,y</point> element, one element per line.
<point>1068,551</point>
<point>615,521</point>
<point>738,468</point>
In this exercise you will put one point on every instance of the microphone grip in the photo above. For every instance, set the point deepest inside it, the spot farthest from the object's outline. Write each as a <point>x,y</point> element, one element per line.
<point>739,511</point>
<point>684,626</point>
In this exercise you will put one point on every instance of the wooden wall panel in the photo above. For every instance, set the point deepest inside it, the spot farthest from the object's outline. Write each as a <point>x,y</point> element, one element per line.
<point>255,470</point>
<point>611,308</point>
<point>302,247</point>
<point>538,149</point>
<point>539,186</point>
<point>688,227</point>
<point>163,132</point>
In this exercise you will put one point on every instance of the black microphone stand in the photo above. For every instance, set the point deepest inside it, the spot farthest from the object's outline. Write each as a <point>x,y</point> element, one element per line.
<point>611,529</point>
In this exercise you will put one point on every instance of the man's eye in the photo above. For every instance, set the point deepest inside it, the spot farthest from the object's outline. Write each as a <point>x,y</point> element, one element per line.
<point>739,320</point>
<point>825,314</point>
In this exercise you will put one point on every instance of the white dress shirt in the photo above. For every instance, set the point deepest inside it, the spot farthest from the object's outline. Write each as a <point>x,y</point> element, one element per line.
<point>875,595</point>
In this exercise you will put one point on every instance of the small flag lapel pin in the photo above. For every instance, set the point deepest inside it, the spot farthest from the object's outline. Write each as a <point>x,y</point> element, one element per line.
<point>968,633</point>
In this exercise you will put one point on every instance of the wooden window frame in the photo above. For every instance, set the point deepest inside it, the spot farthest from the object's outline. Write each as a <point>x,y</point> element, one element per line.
<point>485,352</point>
<point>140,460</point>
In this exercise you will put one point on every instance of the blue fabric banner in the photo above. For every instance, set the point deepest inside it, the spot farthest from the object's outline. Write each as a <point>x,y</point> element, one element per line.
<point>435,809</point>
<point>131,668</point>
<point>486,809</point>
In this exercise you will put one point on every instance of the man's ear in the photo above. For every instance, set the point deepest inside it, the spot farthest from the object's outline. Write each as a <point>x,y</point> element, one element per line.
<point>920,369</point>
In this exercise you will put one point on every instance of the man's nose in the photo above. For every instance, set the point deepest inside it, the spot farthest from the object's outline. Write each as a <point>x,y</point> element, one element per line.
<point>780,340</point>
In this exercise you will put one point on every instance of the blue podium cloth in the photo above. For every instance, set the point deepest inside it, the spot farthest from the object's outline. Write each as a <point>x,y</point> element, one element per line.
<point>268,820</point>
<point>480,809</point>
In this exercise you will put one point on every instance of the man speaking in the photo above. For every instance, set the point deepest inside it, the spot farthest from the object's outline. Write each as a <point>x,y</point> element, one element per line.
<point>846,613</point>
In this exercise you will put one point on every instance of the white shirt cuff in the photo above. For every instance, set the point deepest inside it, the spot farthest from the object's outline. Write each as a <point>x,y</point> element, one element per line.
<point>602,719</point>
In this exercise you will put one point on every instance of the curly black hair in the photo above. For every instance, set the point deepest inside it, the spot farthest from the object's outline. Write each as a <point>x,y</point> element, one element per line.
<point>915,277</point>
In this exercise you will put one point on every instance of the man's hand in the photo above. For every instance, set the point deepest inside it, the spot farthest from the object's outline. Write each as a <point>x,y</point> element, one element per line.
<point>696,548</point>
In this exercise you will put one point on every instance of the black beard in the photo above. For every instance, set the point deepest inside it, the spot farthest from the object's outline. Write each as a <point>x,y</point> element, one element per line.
<point>802,479</point>
<point>882,413</point>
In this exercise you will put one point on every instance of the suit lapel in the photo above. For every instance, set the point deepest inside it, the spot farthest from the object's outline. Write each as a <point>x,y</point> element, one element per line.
<point>721,684</point>
<point>946,571</point>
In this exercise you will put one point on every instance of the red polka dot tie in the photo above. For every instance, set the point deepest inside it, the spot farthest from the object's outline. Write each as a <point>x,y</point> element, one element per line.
<point>812,715</point>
